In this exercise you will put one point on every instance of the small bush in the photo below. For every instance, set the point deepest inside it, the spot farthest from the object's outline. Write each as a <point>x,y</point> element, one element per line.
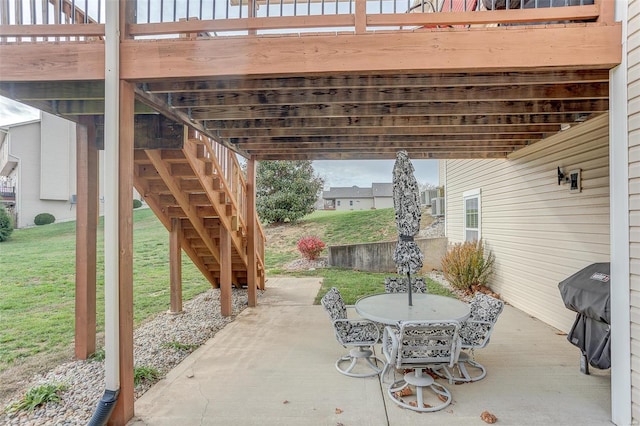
<point>465,265</point>
<point>137,203</point>
<point>141,374</point>
<point>37,396</point>
<point>310,247</point>
<point>97,356</point>
<point>6,225</point>
<point>44,219</point>
<point>180,346</point>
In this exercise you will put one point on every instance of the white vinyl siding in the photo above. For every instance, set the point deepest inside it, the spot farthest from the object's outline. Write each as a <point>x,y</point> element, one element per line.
<point>354,204</point>
<point>539,231</point>
<point>633,105</point>
<point>58,153</point>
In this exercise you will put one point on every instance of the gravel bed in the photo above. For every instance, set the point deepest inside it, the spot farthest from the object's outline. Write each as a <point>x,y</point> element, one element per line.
<point>161,343</point>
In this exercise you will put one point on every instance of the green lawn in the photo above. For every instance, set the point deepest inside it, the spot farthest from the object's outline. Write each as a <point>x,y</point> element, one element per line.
<point>37,284</point>
<point>37,274</point>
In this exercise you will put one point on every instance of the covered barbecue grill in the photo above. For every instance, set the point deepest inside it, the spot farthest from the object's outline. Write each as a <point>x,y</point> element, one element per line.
<point>587,293</point>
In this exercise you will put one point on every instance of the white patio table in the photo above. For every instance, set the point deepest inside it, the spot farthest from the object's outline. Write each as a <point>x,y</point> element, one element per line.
<point>389,308</point>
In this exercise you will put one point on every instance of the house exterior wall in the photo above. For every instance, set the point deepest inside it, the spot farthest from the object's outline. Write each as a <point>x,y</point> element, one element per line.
<point>354,203</point>
<point>633,137</point>
<point>58,149</point>
<point>46,172</point>
<point>539,232</point>
<point>382,202</point>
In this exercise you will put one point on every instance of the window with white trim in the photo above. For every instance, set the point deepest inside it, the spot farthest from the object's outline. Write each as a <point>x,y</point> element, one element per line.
<point>471,209</point>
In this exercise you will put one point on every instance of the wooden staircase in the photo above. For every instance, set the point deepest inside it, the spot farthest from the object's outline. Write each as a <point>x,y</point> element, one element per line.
<point>201,185</point>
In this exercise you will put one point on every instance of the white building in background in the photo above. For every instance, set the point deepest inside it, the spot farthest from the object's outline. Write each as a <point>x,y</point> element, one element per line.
<point>38,161</point>
<point>379,196</point>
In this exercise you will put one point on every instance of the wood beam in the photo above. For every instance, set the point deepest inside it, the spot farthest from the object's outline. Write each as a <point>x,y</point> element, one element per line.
<point>82,107</point>
<point>54,90</point>
<point>421,51</point>
<point>390,80</point>
<point>391,145</point>
<point>374,133</point>
<point>175,266</point>
<point>52,61</point>
<point>363,155</point>
<point>391,121</point>
<point>414,140</point>
<point>86,236</point>
<point>290,97</point>
<point>226,307</point>
<point>472,107</point>
<point>46,30</point>
<point>157,132</point>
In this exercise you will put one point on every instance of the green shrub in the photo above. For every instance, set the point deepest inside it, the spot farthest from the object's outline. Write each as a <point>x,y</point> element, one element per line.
<point>137,203</point>
<point>6,225</point>
<point>465,265</point>
<point>97,356</point>
<point>180,346</point>
<point>141,374</point>
<point>44,219</point>
<point>37,396</point>
<point>310,247</point>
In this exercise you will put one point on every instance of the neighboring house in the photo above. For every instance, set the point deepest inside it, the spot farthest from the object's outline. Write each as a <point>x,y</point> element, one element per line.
<point>379,196</point>
<point>40,186</point>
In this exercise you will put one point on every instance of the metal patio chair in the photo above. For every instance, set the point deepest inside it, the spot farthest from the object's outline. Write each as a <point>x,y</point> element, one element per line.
<point>419,345</point>
<point>360,334</point>
<point>475,333</point>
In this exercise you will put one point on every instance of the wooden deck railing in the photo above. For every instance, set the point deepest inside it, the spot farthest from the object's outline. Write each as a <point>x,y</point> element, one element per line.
<point>80,20</point>
<point>226,168</point>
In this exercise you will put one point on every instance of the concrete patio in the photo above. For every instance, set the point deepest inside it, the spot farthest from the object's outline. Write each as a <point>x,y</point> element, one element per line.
<point>274,365</point>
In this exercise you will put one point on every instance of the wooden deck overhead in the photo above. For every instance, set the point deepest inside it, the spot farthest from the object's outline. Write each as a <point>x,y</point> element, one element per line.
<point>438,90</point>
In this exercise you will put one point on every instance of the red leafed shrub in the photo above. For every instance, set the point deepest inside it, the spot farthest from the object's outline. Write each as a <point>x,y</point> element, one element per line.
<point>310,247</point>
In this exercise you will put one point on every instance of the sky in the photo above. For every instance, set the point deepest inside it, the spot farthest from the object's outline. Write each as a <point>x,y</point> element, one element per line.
<point>14,112</point>
<point>341,173</point>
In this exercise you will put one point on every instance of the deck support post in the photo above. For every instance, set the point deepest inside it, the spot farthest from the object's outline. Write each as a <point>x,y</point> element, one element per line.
<point>86,232</point>
<point>175,265</point>
<point>226,308</point>
<point>123,411</point>
<point>252,221</point>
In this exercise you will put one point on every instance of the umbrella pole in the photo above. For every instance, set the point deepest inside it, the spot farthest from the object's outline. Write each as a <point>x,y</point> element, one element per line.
<point>409,284</point>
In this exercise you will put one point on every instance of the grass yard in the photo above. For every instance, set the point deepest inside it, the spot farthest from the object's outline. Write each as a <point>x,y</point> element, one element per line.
<point>37,284</point>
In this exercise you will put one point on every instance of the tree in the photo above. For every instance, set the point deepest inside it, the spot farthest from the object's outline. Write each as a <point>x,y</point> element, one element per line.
<point>286,190</point>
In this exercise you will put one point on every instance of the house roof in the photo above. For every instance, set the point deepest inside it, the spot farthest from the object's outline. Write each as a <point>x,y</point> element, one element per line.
<point>382,189</point>
<point>6,127</point>
<point>347,192</point>
<point>376,190</point>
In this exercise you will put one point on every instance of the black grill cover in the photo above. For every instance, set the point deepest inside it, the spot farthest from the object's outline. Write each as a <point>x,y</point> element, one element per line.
<point>587,293</point>
<point>594,340</point>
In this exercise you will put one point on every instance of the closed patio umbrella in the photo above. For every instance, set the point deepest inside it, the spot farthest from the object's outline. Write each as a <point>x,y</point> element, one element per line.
<point>406,201</point>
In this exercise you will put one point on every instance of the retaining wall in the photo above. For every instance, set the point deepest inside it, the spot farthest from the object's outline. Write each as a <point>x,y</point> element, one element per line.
<point>378,257</point>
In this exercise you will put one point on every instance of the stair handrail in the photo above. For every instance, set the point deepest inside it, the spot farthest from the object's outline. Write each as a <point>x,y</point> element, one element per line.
<point>228,169</point>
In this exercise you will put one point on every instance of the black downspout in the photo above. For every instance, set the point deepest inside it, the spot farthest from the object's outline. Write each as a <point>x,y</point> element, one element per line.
<point>105,408</point>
